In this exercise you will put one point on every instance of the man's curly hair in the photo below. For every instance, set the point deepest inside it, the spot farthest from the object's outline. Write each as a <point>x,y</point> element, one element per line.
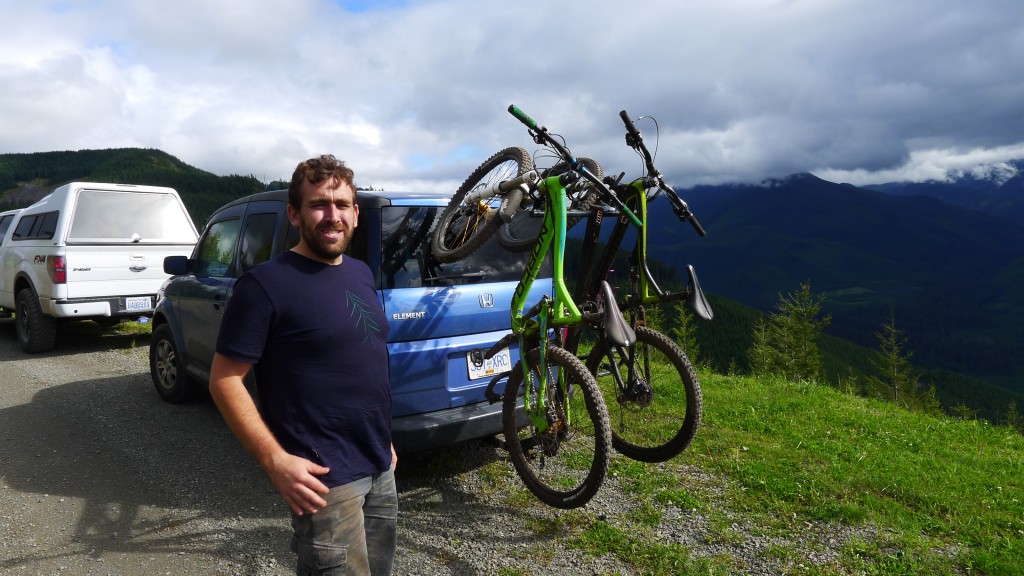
<point>316,171</point>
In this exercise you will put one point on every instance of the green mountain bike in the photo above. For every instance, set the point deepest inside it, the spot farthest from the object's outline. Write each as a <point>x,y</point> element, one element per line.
<point>559,440</point>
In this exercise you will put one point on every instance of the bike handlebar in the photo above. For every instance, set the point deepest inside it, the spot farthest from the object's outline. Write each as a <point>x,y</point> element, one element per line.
<point>522,116</point>
<point>635,141</point>
<point>541,136</point>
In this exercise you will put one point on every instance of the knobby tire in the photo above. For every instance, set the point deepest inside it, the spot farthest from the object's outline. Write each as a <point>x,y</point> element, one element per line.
<point>464,227</point>
<point>645,415</point>
<point>565,465</point>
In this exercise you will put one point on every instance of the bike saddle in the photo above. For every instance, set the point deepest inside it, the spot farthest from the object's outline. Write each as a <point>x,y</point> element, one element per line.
<point>616,328</point>
<point>697,301</point>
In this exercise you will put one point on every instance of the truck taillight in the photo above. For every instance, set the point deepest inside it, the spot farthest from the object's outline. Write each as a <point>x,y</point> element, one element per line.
<point>57,266</point>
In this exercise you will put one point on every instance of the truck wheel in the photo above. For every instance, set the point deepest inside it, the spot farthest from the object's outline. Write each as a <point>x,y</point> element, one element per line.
<point>167,367</point>
<point>37,332</point>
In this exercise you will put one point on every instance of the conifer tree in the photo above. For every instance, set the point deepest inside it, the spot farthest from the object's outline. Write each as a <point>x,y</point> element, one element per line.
<point>684,332</point>
<point>893,364</point>
<point>1013,417</point>
<point>787,343</point>
<point>798,329</point>
<point>762,354</point>
<point>653,317</point>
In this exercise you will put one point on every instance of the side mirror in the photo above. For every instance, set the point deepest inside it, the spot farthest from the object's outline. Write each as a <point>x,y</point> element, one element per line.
<point>176,265</point>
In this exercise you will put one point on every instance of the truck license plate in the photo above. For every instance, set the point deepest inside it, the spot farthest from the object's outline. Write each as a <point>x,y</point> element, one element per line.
<point>138,303</point>
<point>499,363</point>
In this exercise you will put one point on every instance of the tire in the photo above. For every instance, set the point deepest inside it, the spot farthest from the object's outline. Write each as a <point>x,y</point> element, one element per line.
<point>521,233</point>
<point>37,332</point>
<point>167,368</point>
<point>462,228</point>
<point>645,417</point>
<point>565,465</point>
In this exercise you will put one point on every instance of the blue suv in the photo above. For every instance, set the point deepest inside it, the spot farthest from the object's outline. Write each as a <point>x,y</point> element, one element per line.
<point>443,317</point>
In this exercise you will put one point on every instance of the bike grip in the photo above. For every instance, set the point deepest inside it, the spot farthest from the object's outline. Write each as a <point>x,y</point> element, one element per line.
<point>521,116</point>
<point>697,226</point>
<point>630,127</point>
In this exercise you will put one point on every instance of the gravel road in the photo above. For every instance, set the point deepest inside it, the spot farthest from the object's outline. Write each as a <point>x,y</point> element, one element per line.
<point>99,476</point>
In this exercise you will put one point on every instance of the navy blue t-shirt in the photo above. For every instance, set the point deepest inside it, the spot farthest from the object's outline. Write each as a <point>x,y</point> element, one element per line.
<point>317,337</point>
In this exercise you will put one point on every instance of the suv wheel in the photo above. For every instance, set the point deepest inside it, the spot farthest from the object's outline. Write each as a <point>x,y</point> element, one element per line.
<point>37,332</point>
<point>167,368</point>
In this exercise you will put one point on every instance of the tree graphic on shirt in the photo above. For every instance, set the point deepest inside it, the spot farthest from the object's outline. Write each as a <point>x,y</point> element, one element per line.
<point>364,318</point>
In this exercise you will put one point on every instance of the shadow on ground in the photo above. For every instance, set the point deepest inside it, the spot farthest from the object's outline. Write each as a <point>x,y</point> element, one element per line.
<point>136,475</point>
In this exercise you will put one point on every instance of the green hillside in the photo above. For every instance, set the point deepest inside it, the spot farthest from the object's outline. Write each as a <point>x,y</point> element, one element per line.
<point>929,495</point>
<point>24,178</point>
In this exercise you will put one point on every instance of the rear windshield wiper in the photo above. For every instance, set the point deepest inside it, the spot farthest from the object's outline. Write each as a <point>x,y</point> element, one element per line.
<point>451,277</point>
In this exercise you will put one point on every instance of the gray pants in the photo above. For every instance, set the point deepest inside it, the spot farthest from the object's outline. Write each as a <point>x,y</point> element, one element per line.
<point>354,534</point>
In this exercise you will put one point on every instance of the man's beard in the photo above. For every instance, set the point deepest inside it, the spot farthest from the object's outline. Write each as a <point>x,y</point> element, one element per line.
<point>319,246</point>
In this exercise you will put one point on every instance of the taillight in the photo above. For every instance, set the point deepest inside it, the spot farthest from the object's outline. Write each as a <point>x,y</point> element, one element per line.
<point>57,266</point>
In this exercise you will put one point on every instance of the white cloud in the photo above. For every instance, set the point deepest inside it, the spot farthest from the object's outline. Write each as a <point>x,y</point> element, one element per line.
<point>937,165</point>
<point>416,92</point>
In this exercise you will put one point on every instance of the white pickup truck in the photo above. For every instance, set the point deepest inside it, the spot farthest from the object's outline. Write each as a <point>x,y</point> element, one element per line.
<point>88,251</point>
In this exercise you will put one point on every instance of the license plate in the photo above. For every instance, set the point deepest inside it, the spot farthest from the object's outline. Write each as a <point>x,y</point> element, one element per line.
<point>138,303</point>
<point>497,364</point>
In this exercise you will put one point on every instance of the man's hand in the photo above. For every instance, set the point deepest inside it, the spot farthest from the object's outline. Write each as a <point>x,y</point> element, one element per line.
<point>296,480</point>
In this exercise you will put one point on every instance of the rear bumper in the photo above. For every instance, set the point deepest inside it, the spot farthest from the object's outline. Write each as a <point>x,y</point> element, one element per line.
<point>444,427</point>
<point>84,308</point>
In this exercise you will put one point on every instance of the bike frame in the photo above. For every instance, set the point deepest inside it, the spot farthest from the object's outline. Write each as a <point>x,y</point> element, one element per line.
<point>563,309</point>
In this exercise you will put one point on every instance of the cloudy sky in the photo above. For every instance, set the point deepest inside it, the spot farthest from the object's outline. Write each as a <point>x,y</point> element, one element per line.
<point>413,93</point>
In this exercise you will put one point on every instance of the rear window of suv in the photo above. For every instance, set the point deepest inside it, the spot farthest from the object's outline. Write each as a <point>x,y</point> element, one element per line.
<point>406,260</point>
<point>113,216</point>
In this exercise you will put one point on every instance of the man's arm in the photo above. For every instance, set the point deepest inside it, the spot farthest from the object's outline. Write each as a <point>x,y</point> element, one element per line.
<point>294,478</point>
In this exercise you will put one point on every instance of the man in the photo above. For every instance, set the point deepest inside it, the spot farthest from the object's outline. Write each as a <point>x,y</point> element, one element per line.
<point>309,324</point>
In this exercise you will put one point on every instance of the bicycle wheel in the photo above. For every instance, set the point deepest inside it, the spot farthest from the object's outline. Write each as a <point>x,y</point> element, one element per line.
<point>644,388</point>
<point>465,225</point>
<point>520,234</point>
<point>565,464</point>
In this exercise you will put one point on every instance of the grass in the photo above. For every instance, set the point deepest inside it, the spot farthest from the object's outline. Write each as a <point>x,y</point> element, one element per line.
<point>827,456</point>
<point>126,335</point>
<point>920,494</point>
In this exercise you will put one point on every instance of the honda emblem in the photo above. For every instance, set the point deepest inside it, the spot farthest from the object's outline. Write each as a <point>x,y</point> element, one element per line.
<point>486,300</point>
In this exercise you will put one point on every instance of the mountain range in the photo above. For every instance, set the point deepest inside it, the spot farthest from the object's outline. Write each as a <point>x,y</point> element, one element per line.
<point>946,259</point>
